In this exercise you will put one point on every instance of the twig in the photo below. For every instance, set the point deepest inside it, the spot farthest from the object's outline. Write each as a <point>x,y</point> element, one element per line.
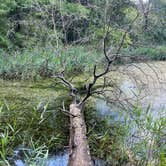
<point>65,111</point>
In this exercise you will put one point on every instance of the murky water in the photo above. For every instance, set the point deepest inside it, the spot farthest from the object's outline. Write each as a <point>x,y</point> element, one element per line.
<point>148,82</point>
<point>143,83</point>
<point>143,88</point>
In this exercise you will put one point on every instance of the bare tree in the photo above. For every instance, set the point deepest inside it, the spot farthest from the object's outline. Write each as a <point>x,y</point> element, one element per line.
<point>79,153</point>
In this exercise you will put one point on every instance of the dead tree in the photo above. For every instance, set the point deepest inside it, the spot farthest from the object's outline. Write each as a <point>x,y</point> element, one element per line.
<point>79,153</point>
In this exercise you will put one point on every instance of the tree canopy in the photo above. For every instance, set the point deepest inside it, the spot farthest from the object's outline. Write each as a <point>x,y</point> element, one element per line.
<point>43,22</point>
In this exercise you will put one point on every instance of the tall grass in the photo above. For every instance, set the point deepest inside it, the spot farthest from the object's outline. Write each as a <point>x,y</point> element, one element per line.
<point>36,63</point>
<point>151,53</point>
<point>38,129</point>
<point>138,139</point>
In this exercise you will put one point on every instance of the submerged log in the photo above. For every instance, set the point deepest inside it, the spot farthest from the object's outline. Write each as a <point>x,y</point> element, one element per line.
<point>79,154</point>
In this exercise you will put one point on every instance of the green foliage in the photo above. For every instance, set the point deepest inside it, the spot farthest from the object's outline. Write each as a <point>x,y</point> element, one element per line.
<point>73,9</point>
<point>37,63</point>
<point>54,22</point>
<point>147,135</point>
<point>137,140</point>
<point>7,6</point>
<point>32,128</point>
<point>36,155</point>
<point>162,158</point>
<point>158,53</point>
<point>4,42</point>
<point>131,13</point>
<point>113,38</point>
<point>106,137</point>
<point>24,25</point>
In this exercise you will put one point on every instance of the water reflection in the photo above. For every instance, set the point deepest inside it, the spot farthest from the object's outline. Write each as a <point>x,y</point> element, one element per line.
<point>58,160</point>
<point>105,110</point>
<point>55,160</point>
<point>19,163</point>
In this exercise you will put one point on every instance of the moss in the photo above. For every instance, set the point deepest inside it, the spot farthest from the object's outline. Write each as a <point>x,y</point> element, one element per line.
<point>28,92</point>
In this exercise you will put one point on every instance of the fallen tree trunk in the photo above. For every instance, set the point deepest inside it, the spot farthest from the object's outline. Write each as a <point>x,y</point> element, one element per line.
<point>79,154</point>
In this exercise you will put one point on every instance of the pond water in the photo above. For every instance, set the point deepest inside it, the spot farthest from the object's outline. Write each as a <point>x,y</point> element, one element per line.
<point>144,86</point>
<point>59,159</point>
<point>144,83</point>
<point>148,84</point>
<point>54,160</point>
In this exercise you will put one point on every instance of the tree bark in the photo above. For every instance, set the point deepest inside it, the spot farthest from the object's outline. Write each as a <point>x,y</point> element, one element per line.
<point>79,154</point>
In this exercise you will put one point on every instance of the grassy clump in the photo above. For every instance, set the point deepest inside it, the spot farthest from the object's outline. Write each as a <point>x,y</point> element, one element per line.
<point>152,53</point>
<point>31,127</point>
<point>106,139</point>
<point>36,63</point>
<point>138,139</point>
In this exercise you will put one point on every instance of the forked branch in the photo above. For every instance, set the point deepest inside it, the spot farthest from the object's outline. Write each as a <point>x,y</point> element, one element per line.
<point>68,84</point>
<point>109,61</point>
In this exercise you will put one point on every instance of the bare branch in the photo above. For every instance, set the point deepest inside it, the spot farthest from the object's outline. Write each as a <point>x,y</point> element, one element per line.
<point>109,62</point>
<point>65,111</point>
<point>68,84</point>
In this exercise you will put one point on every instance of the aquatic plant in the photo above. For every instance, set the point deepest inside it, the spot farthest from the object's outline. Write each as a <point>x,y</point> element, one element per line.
<point>31,128</point>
